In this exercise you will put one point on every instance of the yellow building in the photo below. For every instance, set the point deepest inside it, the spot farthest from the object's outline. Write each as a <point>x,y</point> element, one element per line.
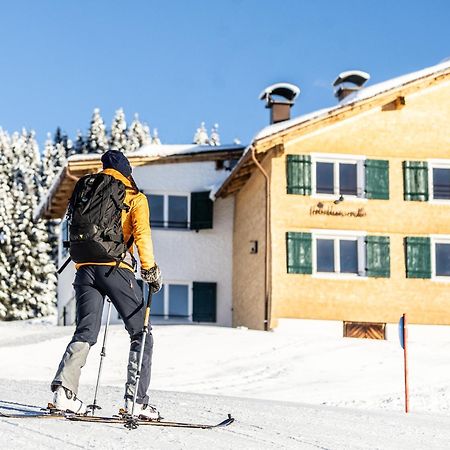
<point>344,213</point>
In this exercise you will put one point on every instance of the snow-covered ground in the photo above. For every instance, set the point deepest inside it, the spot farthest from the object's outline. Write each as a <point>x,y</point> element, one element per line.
<point>301,386</point>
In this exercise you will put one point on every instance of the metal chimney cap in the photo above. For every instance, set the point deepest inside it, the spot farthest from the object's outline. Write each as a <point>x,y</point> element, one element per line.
<point>357,77</point>
<point>287,90</point>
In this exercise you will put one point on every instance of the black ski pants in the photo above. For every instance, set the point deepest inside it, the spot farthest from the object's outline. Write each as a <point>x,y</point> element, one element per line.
<point>92,284</point>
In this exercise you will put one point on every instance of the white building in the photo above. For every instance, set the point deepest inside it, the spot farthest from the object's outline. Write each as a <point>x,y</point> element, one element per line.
<point>192,235</point>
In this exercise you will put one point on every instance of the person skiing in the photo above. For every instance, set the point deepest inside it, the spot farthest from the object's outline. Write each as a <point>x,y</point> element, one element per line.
<point>115,279</point>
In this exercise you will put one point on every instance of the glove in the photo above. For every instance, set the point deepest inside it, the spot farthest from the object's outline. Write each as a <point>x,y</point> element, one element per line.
<point>153,277</point>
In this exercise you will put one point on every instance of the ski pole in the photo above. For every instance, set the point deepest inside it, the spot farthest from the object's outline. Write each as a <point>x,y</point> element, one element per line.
<point>131,424</point>
<point>94,405</point>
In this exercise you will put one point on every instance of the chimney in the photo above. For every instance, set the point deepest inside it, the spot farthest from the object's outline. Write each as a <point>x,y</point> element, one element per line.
<point>348,82</point>
<point>279,99</point>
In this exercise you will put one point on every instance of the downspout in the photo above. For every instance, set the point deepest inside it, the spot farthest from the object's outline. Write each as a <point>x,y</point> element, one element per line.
<point>267,243</point>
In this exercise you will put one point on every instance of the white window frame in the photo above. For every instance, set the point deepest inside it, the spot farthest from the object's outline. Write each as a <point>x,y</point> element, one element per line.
<point>166,285</point>
<point>337,159</point>
<point>166,196</point>
<point>336,236</point>
<point>436,164</point>
<point>438,239</point>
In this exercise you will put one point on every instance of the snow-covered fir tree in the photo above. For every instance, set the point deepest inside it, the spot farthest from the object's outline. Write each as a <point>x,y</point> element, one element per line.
<point>201,135</point>
<point>6,208</point>
<point>119,138</point>
<point>138,134</point>
<point>97,141</point>
<point>31,287</point>
<point>155,137</point>
<point>80,144</point>
<point>215,137</point>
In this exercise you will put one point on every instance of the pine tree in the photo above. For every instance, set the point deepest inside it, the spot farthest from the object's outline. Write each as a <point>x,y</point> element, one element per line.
<point>80,144</point>
<point>201,135</point>
<point>155,137</point>
<point>138,135</point>
<point>32,276</point>
<point>215,137</point>
<point>97,141</point>
<point>6,208</point>
<point>119,138</point>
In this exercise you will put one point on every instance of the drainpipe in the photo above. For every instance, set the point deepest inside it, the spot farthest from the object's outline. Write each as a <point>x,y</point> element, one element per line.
<point>267,243</point>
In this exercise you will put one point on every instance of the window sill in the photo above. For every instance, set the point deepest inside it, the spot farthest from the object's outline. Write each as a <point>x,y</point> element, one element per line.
<point>440,279</point>
<point>335,197</point>
<point>339,276</point>
<point>439,201</point>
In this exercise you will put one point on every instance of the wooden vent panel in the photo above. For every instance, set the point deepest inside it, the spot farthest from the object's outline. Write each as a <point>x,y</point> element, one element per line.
<point>365,330</point>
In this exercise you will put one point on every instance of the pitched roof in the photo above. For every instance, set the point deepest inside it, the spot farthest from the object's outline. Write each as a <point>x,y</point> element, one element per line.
<point>54,205</point>
<point>355,103</point>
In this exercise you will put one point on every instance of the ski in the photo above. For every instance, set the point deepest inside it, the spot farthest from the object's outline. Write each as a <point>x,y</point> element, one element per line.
<point>33,415</point>
<point>156,423</point>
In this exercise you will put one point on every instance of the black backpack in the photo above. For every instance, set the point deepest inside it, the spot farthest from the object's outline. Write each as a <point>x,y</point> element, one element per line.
<point>95,220</point>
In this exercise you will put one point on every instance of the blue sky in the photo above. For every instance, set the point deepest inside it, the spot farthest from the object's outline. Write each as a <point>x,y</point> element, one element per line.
<point>179,62</point>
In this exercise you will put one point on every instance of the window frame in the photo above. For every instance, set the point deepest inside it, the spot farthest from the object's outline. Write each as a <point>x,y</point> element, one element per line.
<point>336,160</point>
<point>337,236</point>
<point>166,195</point>
<point>166,316</point>
<point>438,239</point>
<point>436,164</point>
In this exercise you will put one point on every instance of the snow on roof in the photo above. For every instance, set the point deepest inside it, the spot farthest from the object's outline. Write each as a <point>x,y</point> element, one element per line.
<point>161,150</point>
<point>50,192</point>
<point>356,96</point>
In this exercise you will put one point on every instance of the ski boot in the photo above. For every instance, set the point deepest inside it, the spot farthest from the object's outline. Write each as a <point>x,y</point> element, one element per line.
<point>143,412</point>
<point>65,400</point>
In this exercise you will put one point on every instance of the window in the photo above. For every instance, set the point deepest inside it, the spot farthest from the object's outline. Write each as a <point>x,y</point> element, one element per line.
<point>440,257</point>
<point>338,177</point>
<point>439,175</point>
<point>169,211</point>
<point>339,254</point>
<point>172,302</point>
<point>64,238</point>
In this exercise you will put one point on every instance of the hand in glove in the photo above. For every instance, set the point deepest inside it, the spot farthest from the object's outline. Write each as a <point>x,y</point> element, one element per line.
<point>153,277</point>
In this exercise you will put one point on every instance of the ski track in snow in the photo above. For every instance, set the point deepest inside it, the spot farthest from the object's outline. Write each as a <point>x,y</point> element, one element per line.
<point>200,374</point>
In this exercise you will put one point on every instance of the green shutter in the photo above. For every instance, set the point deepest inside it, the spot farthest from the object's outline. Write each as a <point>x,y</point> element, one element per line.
<point>418,257</point>
<point>204,302</point>
<point>298,174</point>
<point>201,211</point>
<point>378,259</point>
<point>299,255</point>
<point>377,179</point>
<point>415,180</point>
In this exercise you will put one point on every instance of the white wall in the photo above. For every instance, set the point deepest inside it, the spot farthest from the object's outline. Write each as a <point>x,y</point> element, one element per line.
<point>183,255</point>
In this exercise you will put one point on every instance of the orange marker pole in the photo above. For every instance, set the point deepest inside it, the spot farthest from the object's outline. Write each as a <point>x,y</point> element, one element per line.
<point>405,358</point>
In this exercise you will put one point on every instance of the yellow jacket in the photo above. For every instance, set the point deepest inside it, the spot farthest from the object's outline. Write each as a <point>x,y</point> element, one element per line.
<point>136,222</point>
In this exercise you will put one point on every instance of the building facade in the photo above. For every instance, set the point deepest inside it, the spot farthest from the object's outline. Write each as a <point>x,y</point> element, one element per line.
<point>349,209</point>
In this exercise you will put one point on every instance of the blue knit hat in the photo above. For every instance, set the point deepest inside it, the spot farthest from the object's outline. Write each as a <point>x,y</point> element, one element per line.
<point>114,159</point>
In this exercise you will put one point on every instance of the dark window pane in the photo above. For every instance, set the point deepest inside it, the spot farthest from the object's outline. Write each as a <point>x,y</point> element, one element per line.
<point>156,204</point>
<point>178,300</point>
<point>348,256</point>
<point>441,183</point>
<point>443,260</point>
<point>324,178</point>
<point>347,179</point>
<point>157,309</point>
<point>178,211</point>
<point>325,255</point>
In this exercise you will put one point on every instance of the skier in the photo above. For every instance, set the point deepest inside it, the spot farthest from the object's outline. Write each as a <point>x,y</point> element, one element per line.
<point>96,279</point>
